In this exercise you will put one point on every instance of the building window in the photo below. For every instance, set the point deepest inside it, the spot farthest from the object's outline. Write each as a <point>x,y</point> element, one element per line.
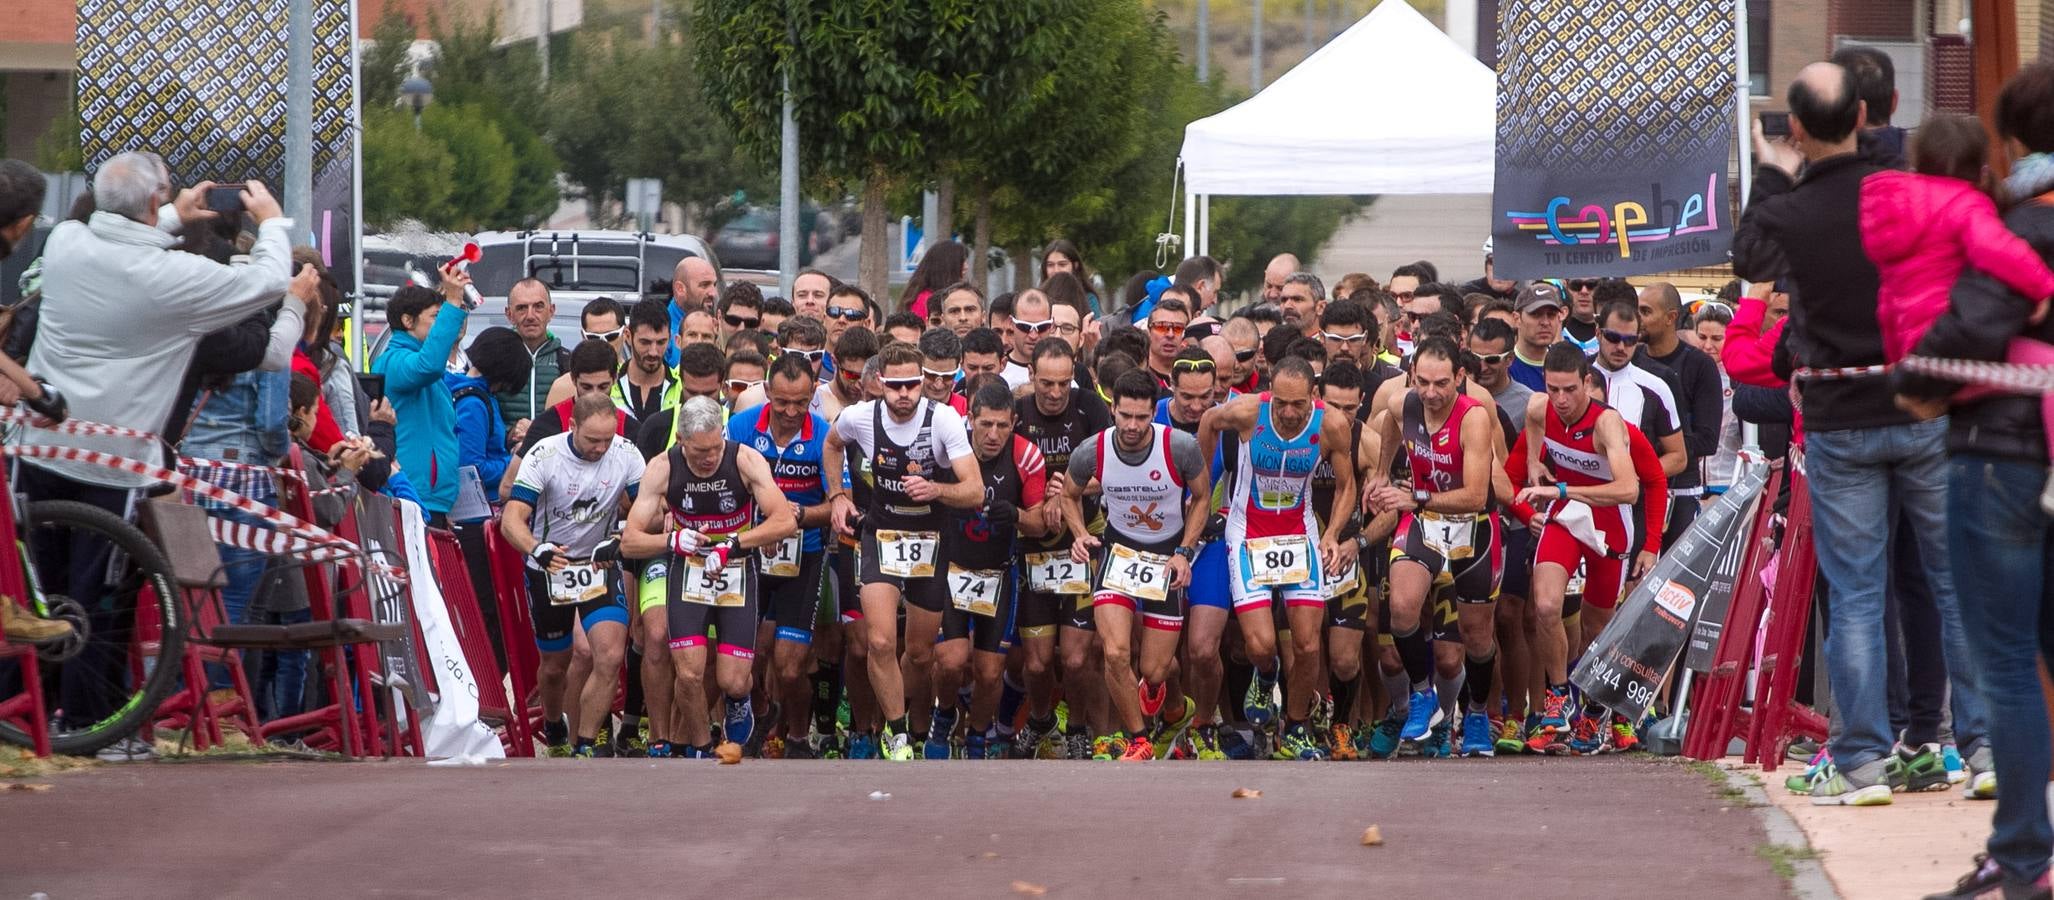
<point>1758,47</point>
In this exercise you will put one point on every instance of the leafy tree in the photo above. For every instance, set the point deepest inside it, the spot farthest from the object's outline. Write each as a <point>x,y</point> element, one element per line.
<point>483,157</point>
<point>383,65</point>
<point>406,174</point>
<point>58,149</point>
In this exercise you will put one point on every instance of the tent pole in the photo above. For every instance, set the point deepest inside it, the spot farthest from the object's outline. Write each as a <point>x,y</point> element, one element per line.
<point>1204,224</point>
<point>1744,136</point>
<point>1190,227</point>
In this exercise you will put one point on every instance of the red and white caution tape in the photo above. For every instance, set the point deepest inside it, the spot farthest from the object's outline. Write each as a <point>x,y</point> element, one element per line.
<point>76,426</point>
<point>2021,379</point>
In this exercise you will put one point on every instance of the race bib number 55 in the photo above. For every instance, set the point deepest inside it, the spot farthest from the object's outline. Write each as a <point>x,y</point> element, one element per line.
<point>715,587</point>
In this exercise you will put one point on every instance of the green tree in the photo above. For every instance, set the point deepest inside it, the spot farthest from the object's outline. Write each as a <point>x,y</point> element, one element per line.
<point>407,175</point>
<point>877,84</point>
<point>58,149</point>
<point>483,157</point>
<point>383,65</point>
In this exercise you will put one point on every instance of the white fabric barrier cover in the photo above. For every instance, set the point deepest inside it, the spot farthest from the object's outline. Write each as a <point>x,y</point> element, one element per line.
<point>453,730</point>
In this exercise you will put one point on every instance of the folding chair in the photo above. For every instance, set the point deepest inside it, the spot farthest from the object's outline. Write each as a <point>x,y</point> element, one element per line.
<point>180,530</point>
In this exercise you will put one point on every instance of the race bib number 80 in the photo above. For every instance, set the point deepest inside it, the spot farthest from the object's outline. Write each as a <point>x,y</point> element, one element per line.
<point>1275,561</point>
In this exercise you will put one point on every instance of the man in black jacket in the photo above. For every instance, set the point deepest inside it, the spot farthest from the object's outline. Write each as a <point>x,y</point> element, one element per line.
<point>1998,528</point>
<point>1699,395</point>
<point>1865,456</point>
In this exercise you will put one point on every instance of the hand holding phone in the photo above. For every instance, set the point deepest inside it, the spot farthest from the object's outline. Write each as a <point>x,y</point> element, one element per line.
<point>225,198</point>
<point>1775,125</point>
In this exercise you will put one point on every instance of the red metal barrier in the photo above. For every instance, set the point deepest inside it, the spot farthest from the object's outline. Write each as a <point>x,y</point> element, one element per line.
<point>516,627</point>
<point>461,598</point>
<point>25,709</point>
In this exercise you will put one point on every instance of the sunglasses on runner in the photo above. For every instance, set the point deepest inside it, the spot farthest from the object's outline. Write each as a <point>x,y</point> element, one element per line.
<point>812,356</point>
<point>1492,359</point>
<point>949,375</point>
<point>852,373</point>
<point>1626,340</point>
<point>607,336</point>
<point>1344,338</point>
<point>1403,296</point>
<point>847,315</point>
<point>1166,329</point>
<point>1191,365</point>
<point>900,384</point>
<point>737,385</point>
<point>1583,284</point>
<point>1033,327</point>
<point>1244,355</point>
<point>735,321</point>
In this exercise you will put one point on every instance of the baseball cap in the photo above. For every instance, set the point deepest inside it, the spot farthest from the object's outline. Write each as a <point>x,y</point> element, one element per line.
<point>1539,294</point>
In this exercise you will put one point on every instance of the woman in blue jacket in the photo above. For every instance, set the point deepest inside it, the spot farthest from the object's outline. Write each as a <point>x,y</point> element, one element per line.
<point>427,328</point>
<point>498,362</point>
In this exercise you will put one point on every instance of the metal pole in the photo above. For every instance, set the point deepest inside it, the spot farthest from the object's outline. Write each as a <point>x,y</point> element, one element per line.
<point>1461,22</point>
<point>542,36</point>
<point>655,22</point>
<point>1204,40</point>
<point>788,198</point>
<point>1204,225</point>
<point>1744,135</point>
<point>299,118</point>
<point>1255,64</point>
<point>1189,247</point>
<point>356,198</point>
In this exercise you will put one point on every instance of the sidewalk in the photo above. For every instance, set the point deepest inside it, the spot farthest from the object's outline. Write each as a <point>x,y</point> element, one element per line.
<point>1918,844</point>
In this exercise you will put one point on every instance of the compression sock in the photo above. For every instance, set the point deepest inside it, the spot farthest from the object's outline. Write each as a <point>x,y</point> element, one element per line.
<point>1238,677</point>
<point>901,725</point>
<point>1010,696</point>
<point>1479,673</point>
<point>1447,691</point>
<point>634,709</point>
<point>1344,699</point>
<point>1397,693</point>
<point>827,685</point>
<point>1417,653</point>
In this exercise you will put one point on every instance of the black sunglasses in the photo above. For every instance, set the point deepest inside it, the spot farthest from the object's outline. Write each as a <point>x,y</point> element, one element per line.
<point>1244,355</point>
<point>735,321</point>
<point>1615,337</point>
<point>850,315</point>
<point>1583,284</point>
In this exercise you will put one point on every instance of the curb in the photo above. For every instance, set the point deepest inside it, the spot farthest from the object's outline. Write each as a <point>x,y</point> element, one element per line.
<point>1808,880</point>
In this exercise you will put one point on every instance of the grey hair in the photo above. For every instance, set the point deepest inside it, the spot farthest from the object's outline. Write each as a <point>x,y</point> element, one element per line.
<point>1319,290</point>
<point>127,185</point>
<point>698,416</point>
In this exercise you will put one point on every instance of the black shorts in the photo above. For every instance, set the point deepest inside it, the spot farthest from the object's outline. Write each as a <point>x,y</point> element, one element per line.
<point>841,565</point>
<point>1166,613</point>
<point>927,592</point>
<point>793,603</point>
<point>1518,576</point>
<point>1348,602</point>
<point>733,626</point>
<point>1040,612</point>
<point>1437,616</point>
<point>987,634</point>
<point>1473,577</point>
<point>553,623</point>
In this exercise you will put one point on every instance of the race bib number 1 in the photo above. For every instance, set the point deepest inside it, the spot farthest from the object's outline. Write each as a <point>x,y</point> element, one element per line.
<point>1275,561</point>
<point>1452,538</point>
<point>781,560</point>
<point>717,587</point>
<point>907,554</point>
<point>974,591</point>
<point>1055,573</point>
<point>1143,576</point>
<point>576,583</point>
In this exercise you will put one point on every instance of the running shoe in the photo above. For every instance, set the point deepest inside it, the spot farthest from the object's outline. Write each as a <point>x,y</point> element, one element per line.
<point>739,723</point>
<point>1533,721</point>
<point>1169,733</point>
<point>1235,745</point>
<point>774,747</point>
<point>558,751</point>
<point>1802,750</point>
<point>897,747</point>
<point>1139,749</point>
<point>1587,736</point>
<point>1982,776</point>
<point>798,750</point>
<point>1552,734</point>
<point>1624,738</point>
<point>1078,745</point>
<point>996,747</point>
<point>1062,713</point>
<point>1950,758</point>
<point>1383,744</point>
<point>1151,701</point>
<point>1027,742</point>
<point>939,728</point>
<point>584,751</point>
<point>1260,705</point>
<point>1836,789</point>
<point>1817,771</point>
<point>1915,771</point>
<point>1477,739</point>
<point>973,745</point>
<point>862,746</point>
<point>1109,747</point>
<point>1343,739</point>
<point>1439,744</point>
<point>1511,737</point>
<point>1296,743</point>
<point>1424,714</point>
<point>690,752</point>
<point>1322,716</point>
<point>660,750</point>
<point>825,746</point>
<point>632,742</point>
<point>1207,739</point>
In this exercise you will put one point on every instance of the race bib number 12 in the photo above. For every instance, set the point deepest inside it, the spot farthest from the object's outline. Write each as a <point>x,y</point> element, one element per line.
<point>1055,573</point>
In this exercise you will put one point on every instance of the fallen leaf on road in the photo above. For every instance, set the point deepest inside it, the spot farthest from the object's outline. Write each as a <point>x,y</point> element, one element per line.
<point>730,753</point>
<point>1029,888</point>
<point>990,855</point>
<point>1247,794</point>
<point>23,786</point>
<point>1372,837</point>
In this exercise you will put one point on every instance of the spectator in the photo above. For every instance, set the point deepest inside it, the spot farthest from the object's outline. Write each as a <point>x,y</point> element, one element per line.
<point>1061,256</point>
<point>1281,266</point>
<point>528,310</point>
<point>427,330</point>
<point>1864,456</point>
<point>1710,324</point>
<point>944,264</point>
<point>1202,275</point>
<point>1998,533</point>
<point>1699,392</point>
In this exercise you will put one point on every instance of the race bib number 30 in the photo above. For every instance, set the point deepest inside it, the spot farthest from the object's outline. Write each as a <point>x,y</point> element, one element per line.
<point>781,560</point>
<point>576,583</point>
<point>1275,561</point>
<point>713,587</point>
<point>907,554</point>
<point>1055,573</point>
<point>1137,574</point>
<point>974,591</point>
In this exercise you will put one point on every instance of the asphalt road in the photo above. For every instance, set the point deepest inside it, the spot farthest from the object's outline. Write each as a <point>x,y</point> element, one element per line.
<point>1452,828</point>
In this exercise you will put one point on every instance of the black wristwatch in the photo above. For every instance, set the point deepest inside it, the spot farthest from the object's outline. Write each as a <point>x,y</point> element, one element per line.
<point>1421,497</point>
<point>1189,553</point>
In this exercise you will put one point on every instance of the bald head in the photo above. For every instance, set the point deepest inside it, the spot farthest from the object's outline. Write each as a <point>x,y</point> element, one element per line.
<point>1661,312</point>
<point>1281,267</point>
<point>693,283</point>
<point>1825,109</point>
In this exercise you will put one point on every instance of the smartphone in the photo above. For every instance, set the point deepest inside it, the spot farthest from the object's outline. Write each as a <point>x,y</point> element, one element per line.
<point>225,198</point>
<point>373,385</point>
<point>1775,124</point>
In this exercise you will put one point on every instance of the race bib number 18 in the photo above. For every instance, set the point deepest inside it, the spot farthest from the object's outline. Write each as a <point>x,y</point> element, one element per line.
<point>1274,561</point>
<point>907,554</point>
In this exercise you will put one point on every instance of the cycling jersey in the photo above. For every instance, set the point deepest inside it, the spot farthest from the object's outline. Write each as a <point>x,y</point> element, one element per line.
<point>576,500</point>
<point>1057,437</point>
<point>718,504</point>
<point>796,466</point>
<point>1270,522</point>
<point>1462,548</point>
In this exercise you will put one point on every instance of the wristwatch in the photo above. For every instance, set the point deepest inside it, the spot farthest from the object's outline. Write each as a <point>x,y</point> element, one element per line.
<point>1421,496</point>
<point>1189,553</point>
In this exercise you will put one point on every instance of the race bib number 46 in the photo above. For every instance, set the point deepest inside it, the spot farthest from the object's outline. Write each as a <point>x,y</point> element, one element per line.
<point>974,591</point>
<point>781,560</point>
<point>1055,573</point>
<point>1274,561</point>
<point>1137,574</point>
<point>907,554</point>
<point>576,583</point>
<point>713,587</point>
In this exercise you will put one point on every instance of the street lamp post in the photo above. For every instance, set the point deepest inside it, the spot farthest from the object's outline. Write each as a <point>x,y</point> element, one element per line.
<point>416,93</point>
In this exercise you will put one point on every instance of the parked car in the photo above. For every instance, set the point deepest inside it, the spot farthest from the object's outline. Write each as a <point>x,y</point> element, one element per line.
<point>750,240</point>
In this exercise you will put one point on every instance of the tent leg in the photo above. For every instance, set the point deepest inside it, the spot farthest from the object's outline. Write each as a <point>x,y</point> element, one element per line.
<point>1204,225</point>
<point>1190,228</point>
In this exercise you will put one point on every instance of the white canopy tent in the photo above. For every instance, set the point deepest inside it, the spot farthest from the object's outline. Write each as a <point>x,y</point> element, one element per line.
<point>1391,106</point>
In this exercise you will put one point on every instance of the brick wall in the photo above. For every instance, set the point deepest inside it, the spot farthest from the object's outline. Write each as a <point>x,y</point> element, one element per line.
<point>1880,20</point>
<point>40,22</point>
<point>1950,80</point>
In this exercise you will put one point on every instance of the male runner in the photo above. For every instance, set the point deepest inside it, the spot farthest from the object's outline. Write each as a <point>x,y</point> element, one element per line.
<point>1446,534</point>
<point>579,482</point>
<point>1282,435</point>
<point>1058,419</point>
<point>724,503</point>
<point>921,457</point>
<point>1588,520</point>
<point>790,439</point>
<point>1032,319</point>
<point>1348,592</point>
<point>1155,493</point>
<point>647,385</point>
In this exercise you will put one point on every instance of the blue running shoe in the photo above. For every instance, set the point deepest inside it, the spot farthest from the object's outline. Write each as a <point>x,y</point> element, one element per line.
<point>1438,744</point>
<point>661,750</point>
<point>1260,706</point>
<point>1424,714</point>
<point>973,746</point>
<point>862,746</point>
<point>1383,742</point>
<point>1950,759</point>
<point>739,724</point>
<point>938,730</point>
<point>1477,739</point>
<point>1234,745</point>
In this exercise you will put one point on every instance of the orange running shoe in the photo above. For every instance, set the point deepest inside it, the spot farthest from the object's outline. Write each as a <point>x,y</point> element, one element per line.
<point>1551,735</point>
<point>1138,749</point>
<point>1151,702</point>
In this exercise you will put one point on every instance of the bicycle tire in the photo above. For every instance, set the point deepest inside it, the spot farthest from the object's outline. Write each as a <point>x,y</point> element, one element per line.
<point>146,565</point>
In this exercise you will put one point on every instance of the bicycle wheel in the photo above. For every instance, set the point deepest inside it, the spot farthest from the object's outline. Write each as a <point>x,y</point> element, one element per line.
<point>103,684</point>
